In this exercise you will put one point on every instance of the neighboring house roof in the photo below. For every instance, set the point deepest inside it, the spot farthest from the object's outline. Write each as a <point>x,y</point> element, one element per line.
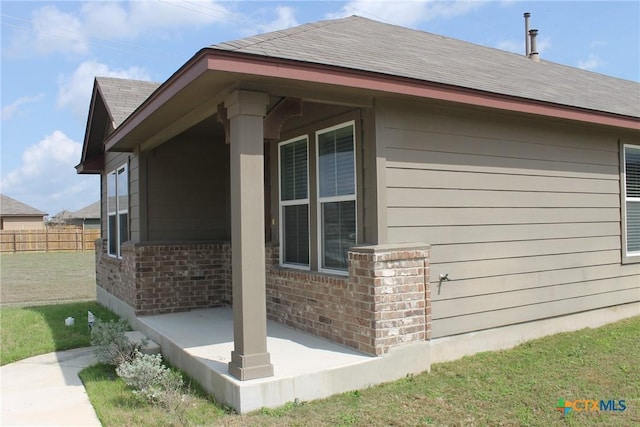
<point>91,211</point>
<point>363,44</point>
<point>123,96</point>
<point>13,207</point>
<point>61,216</point>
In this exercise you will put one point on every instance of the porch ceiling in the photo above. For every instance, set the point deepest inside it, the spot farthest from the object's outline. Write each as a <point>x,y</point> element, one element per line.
<point>172,111</point>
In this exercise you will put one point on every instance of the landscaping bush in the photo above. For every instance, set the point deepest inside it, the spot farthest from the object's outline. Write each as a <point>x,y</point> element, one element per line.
<point>149,377</point>
<point>154,382</point>
<point>110,343</point>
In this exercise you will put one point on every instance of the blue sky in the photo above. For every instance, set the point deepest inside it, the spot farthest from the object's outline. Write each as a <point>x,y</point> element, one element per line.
<point>52,50</point>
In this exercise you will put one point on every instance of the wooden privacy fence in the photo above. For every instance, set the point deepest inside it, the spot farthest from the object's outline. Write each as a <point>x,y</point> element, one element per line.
<point>48,240</point>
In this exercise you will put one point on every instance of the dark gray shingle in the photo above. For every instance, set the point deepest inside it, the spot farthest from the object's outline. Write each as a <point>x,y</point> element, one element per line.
<point>362,44</point>
<point>90,211</point>
<point>123,96</point>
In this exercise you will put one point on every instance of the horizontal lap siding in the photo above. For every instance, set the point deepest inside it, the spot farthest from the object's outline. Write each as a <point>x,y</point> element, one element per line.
<point>134,198</point>
<point>523,216</point>
<point>188,189</point>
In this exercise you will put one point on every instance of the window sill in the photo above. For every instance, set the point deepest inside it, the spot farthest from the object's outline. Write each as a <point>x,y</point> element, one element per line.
<point>630,259</point>
<point>341,273</point>
<point>294,267</point>
<point>281,269</point>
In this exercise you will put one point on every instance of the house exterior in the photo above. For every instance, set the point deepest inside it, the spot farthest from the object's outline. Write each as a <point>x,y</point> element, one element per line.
<point>87,217</point>
<point>15,215</point>
<point>369,184</point>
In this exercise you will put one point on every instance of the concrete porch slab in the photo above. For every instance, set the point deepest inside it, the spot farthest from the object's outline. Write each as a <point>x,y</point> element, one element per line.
<point>305,367</point>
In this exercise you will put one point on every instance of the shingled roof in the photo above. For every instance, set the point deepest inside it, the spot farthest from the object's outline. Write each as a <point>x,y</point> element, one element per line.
<point>91,211</point>
<point>12,207</point>
<point>123,96</point>
<point>112,102</point>
<point>363,44</point>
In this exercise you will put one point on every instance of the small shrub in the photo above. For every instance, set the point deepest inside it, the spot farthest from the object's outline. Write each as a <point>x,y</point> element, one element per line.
<point>154,382</point>
<point>110,343</point>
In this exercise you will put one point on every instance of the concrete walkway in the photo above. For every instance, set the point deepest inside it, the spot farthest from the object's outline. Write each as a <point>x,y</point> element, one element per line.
<point>45,390</point>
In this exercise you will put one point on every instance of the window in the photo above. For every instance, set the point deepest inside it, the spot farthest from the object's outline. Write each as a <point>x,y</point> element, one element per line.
<point>330,210</point>
<point>632,199</point>
<point>294,202</point>
<point>117,210</point>
<point>336,185</point>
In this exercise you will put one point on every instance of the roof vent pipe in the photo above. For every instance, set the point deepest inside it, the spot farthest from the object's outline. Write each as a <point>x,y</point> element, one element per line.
<point>526,34</point>
<point>534,50</point>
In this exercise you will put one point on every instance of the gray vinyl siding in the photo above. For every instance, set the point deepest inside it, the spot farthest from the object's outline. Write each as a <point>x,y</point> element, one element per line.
<point>368,191</point>
<point>188,189</point>
<point>523,214</point>
<point>134,198</point>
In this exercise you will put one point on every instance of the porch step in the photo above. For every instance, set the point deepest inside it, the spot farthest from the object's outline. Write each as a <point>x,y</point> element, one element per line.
<point>137,337</point>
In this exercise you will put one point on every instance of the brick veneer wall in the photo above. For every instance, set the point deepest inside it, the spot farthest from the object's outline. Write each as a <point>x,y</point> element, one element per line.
<point>384,302</point>
<point>113,275</point>
<point>156,278</point>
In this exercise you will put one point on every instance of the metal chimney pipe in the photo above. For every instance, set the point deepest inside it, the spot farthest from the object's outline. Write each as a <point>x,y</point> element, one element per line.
<point>534,49</point>
<point>526,34</point>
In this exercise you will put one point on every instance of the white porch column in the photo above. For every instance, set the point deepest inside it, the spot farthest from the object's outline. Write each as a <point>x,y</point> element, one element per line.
<point>246,111</point>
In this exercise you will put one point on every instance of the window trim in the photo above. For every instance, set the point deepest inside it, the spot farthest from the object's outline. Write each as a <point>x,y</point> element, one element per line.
<point>343,198</point>
<point>117,211</point>
<point>296,202</point>
<point>627,257</point>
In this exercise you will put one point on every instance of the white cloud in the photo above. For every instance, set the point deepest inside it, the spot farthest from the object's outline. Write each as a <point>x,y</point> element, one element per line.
<point>285,19</point>
<point>12,110</point>
<point>592,62</point>
<point>114,20</point>
<point>75,90</point>
<point>407,13</point>
<point>57,31</point>
<point>54,31</point>
<point>46,177</point>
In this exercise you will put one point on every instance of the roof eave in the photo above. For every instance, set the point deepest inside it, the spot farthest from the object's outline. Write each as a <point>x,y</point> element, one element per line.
<point>23,215</point>
<point>94,165</point>
<point>237,62</point>
<point>182,77</point>
<point>90,144</point>
<point>212,59</point>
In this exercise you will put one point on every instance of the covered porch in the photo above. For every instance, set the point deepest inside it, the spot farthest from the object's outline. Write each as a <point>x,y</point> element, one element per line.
<point>306,367</point>
<point>204,224</point>
<point>324,334</point>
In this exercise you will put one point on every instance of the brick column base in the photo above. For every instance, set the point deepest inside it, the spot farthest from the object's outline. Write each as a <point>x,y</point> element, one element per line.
<point>396,279</point>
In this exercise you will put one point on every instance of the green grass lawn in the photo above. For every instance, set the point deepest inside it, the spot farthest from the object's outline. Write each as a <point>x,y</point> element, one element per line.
<point>514,387</point>
<point>30,331</point>
<point>41,278</point>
